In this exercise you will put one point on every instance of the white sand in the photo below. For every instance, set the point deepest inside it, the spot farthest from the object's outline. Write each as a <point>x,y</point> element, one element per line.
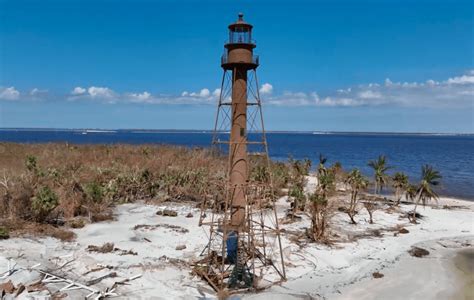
<point>342,271</point>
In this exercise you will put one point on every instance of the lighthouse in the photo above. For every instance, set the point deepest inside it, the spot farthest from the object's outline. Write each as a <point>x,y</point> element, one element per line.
<point>238,58</point>
<point>244,237</point>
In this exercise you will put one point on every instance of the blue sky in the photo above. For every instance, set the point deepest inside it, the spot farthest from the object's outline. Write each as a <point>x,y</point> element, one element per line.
<point>325,65</point>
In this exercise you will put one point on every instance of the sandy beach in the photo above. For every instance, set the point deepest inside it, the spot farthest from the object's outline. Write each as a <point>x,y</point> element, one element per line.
<point>343,270</point>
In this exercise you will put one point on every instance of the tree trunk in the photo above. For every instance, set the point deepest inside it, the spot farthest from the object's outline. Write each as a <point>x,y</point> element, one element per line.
<point>414,213</point>
<point>351,216</point>
<point>370,215</point>
<point>397,196</point>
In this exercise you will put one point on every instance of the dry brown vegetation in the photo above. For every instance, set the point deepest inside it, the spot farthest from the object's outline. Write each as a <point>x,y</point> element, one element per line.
<point>53,184</point>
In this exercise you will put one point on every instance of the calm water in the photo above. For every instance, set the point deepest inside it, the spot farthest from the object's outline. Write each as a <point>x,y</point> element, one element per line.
<point>451,155</point>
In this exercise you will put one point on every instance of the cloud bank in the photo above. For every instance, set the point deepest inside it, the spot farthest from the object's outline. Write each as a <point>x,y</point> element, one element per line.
<point>455,92</point>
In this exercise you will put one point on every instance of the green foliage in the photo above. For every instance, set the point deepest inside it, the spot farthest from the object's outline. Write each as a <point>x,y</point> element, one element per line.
<point>300,167</point>
<point>146,151</point>
<point>357,183</point>
<point>410,192</point>
<point>400,183</point>
<point>399,180</point>
<point>44,202</point>
<point>327,182</point>
<point>425,190</point>
<point>321,165</point>
<point>319,199</point>
<point>319,204</point>
<point>94,192</point>
<point>260,174</point>
<point>280,174</point>
<point>380,168</point>
<point>4,233</point>
<point>296,191</point>
<point>298,170</point>
<point>31,163</point>
<point>429,179</point>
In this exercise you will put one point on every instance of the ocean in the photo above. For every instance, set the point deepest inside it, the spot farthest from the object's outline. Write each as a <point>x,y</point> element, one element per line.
<point>452,155</point>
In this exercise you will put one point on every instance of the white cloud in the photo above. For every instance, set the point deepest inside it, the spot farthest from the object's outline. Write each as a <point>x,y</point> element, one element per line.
<point>266,89</point>
<point>78,91</point>
<point>204,93</point>
<point>453,92</point>
<point>38,92</point>
<point>216,93</point>
<point>457,91</point>
<point>9,93</point>
<point>464,79</point>
<point>140,97</point>
<point>369,94</point>
<point>100,92</point>
<point>104,94</point>
<point>388,82</point>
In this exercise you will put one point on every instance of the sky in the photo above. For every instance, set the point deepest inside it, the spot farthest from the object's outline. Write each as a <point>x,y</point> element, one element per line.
<point>387,66</point>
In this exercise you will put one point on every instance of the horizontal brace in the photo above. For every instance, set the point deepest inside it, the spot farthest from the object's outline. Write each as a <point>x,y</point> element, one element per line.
<point>248,103</point>
<point>229,142</point>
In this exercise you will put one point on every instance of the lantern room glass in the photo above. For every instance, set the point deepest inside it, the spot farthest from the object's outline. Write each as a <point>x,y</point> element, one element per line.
<point>240,35</point>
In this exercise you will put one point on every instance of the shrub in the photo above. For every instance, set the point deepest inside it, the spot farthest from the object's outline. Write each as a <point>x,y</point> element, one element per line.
<point>31,163</point>
<point>4,234</point>
<point>94,192</point>
<point>44,202</point>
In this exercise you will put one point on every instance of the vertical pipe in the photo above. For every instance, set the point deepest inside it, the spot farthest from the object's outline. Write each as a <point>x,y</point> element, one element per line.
<point>238,147</point>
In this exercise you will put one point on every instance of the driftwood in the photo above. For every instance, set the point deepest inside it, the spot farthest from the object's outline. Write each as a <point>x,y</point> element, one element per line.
<point>99,279</point>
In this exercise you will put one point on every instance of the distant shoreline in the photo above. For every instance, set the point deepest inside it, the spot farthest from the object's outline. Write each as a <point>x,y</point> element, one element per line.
<point>139,130</point>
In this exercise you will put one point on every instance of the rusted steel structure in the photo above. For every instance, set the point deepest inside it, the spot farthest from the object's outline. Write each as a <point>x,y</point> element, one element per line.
<point>244,249</point>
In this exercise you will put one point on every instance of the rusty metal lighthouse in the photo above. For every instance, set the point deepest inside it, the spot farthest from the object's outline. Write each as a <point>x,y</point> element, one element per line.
<point>244,249</point>
<point>239,58</point>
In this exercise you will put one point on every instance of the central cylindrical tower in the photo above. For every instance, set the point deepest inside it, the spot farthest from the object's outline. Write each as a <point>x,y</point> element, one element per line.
<point>238,58</point>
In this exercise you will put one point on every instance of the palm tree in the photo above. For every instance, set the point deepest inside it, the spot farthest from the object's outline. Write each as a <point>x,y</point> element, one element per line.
<point>357,182</point>
<point>429,179</point>
<point>319,208</point>
<point>399,183</point>
<point>410,192</point>
<point>380,168</point>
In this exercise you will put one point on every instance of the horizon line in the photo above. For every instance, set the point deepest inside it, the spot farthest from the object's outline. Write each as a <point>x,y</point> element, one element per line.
<point>211,130</point>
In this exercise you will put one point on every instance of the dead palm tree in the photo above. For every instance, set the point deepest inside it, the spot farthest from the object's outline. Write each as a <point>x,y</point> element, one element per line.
<point>380,168</point>
<point>399,183</point>
<point>321,166</point>
<point>357,182</point>
<point>429,179</point>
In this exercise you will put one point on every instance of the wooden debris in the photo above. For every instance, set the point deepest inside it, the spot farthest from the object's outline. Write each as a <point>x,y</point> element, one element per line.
<point>105,248</point>
<point>176,228</point>
<point>99,279</point>
<point>418,252</point>
<point>100,268</point>
<point>7,287</point>
<point>403,230</point>
<point>377,275</point>
<point>109,247</point>
<point>167,213</point>
<point>180,247</point>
